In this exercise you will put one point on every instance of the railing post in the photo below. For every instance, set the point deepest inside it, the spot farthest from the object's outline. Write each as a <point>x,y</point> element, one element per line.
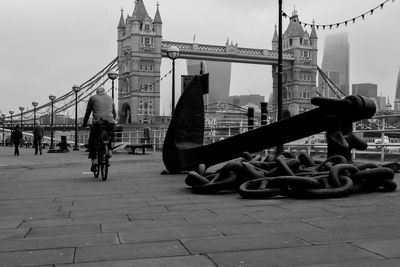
<point>382,140</point>
<point>264,113</point>
<point>250,118</point>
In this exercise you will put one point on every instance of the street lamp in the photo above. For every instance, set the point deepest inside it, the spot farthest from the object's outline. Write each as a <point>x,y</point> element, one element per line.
<point>279,148</point>
<point>21,109</point>
<point>3,116</point>
<point>11,113</point>
<point>52,97</point>
<point>173,53</point>
<point>34,104</point>
<point>112,74</point>
<point>76,89</point>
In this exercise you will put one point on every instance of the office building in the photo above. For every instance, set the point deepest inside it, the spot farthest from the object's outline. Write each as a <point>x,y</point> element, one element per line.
<point>219,78</point>
<point>397,96</point>
<point>365,89</point>
<point>335,64</point>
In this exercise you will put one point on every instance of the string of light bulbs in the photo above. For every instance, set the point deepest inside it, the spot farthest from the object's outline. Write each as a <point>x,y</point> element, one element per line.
<point>345,22</point>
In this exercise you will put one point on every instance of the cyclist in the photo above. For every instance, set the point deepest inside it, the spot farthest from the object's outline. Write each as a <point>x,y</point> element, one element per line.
<point>103,109</point>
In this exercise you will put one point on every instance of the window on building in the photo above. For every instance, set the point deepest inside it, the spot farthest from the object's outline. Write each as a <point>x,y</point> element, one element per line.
<point>147,27</point>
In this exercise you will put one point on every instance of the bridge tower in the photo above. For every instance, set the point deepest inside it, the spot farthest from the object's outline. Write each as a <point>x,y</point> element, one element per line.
<point>139,51</point>
<point>299,76</point>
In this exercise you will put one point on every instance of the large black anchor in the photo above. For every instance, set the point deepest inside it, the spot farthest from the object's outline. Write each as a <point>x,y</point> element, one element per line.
<point>183,148</point>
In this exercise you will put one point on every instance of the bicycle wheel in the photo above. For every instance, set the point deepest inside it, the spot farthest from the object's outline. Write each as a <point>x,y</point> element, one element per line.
<point>104,169</point>
<point>97,172</point>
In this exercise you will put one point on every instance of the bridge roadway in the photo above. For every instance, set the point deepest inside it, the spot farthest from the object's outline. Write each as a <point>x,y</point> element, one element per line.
<point>54,213</point>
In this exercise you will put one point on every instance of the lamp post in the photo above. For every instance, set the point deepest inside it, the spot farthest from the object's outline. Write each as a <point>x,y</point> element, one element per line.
<point>34,104</point>
<point>11,113</point>
<point>279,148</point>
<point>173,53</point>
<point>3,116</point>
<point>52,98</point>
<point>76,89</point>
<point>112,74</point>
<point>21,109</point>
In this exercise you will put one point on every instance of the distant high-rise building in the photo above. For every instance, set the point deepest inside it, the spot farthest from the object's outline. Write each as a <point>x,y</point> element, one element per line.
<point>397,96</point>
<point>380,103</point>
<point>219,78</point>
<point>335,63</point>
<point>243,100</point>
<point>365,89</point>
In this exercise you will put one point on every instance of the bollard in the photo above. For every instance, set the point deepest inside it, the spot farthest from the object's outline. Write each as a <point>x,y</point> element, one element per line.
<point>250,118</point>
<point>264,113</point>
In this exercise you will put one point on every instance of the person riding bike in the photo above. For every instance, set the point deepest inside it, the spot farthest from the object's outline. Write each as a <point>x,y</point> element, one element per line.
<point>104,114</point>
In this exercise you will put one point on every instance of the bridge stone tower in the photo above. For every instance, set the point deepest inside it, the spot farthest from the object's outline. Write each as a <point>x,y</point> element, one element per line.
<point>139,54</point>
<point>299,76</point>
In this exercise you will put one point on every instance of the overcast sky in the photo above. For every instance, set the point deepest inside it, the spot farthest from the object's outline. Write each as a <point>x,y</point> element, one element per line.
<point>49,45</point>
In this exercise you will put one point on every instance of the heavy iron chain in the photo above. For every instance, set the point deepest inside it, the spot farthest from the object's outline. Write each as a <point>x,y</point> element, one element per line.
<point>287,175</point>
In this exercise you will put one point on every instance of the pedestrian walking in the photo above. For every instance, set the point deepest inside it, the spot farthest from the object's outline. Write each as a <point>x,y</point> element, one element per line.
<point>38,133</point>
<point>16,138</point>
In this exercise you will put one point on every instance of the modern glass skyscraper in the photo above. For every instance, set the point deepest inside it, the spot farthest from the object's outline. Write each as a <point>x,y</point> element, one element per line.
<point>219,81</point>
<point>397,96</point>
<point>335,63</point>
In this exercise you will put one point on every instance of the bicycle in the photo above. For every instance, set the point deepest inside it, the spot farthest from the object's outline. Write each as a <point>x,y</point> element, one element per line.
<point>102,152</point>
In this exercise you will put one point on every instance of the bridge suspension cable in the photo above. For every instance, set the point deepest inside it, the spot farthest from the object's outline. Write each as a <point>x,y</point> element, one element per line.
<point>68,99</point>
<point>332,86</point>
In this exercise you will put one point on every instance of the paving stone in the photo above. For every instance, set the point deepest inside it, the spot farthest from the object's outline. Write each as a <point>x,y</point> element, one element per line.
<point>107,204</point>
<point>10,223</point>
<point>243,242</point>
<point>64,230</point>
<point>182,214</point>
<point>58,242</point>
<point>165,234</point>
<point>36,257</point>
<point>192,261</point>
<point>142,224</point>
<point>218,220</point>
<point>388,248</point>
<point>265,227</point>
<point>168,202</point>
<point>363,263</point>
<point>282,214</point>
<point>13,233</point>
<point>102,212</point>
<point>130,251</point>
<point>49,222</point>
<point>322,236</point>
<point>317,255</point>
<point>354,221</point>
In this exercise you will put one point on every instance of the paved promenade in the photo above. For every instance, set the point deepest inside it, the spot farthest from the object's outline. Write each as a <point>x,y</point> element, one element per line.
<point>54,213</point>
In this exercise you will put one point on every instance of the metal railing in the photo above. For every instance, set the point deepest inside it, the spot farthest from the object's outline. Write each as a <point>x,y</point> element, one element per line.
<point>312,144</point>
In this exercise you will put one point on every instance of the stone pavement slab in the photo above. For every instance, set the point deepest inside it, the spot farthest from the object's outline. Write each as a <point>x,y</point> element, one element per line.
<point>36,257</point>
<point>59,242</point>
<point>193,261</point>
<point>53,212</point>
<point>130,251</point>
<point>294,256</point>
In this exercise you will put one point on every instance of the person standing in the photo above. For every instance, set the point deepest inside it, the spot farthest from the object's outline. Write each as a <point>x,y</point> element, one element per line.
<point>16,137</point>
<point>38,133</point>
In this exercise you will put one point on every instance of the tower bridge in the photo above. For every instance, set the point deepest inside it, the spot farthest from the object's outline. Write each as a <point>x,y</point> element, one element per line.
<point>228,53</point>
<point>140,49</point>
<point>140,40</point>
